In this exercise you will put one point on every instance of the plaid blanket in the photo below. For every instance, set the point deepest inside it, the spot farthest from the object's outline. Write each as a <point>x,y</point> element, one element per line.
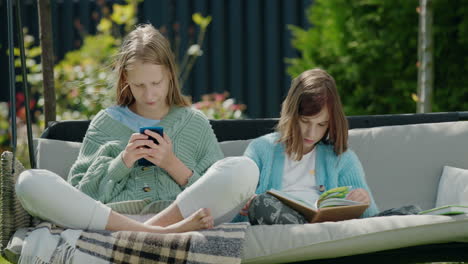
<point>222,244</point>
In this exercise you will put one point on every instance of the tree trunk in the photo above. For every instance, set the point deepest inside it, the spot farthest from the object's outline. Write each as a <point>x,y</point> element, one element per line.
<point>425,57</point>
<point>47,58</point>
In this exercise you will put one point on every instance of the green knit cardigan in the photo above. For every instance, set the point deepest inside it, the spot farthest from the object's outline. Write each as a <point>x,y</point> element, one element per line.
<point>100,172</point>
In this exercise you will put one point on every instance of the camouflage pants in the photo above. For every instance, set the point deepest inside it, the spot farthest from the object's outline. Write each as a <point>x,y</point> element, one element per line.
<point>267,210</point>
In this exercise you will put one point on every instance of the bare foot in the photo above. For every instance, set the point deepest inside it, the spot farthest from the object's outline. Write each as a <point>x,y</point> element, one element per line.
<point>201,219</point>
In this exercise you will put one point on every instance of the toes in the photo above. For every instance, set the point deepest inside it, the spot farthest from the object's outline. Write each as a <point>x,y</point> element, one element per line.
<point>207,222</point>
<point>204,218</point>
<point>203,212</point>
<point>206,211</point>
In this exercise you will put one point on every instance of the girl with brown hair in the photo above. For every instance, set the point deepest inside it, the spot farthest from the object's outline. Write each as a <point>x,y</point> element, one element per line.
<point>308,154</point>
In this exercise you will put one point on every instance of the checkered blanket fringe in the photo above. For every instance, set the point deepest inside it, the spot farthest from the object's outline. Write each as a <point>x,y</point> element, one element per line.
<point>222,244</point>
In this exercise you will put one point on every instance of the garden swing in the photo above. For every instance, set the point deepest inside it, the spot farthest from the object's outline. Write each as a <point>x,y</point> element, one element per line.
<point>396,239</point>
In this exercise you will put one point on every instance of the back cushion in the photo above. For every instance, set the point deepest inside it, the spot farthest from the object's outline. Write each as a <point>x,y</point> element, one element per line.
<point>58,156</point>
<point>234,147</point>
<point>403,164</point>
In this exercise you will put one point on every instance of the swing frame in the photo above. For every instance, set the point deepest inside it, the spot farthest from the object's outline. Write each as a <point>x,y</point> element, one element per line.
<point>235,130</point>
<point>227,130</point>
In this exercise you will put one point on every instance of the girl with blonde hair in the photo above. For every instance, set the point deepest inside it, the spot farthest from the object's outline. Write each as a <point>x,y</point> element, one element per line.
<point>308,154</point>
<point>168,192</point>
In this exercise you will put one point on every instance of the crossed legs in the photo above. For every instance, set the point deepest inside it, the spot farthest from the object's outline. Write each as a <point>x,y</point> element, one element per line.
<point>220,194</point>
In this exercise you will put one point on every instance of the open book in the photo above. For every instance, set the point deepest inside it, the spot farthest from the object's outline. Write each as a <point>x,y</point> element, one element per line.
<point>446,210</point>
<point>331,205</point>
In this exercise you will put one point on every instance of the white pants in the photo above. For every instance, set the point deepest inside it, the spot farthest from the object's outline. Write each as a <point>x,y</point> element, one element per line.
<point>225,188</point>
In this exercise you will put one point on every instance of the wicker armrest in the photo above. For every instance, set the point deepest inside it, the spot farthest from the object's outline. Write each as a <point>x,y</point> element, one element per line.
<point>12,214</point>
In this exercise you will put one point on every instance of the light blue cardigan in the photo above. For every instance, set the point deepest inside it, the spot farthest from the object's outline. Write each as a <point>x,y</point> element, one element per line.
<point>330,170</point>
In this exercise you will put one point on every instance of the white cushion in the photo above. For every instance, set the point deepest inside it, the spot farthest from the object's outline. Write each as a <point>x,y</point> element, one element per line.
<point>56,155</point>
<point>286,243</point>
<point>453,187</point>
<point>234,147</point>
<point>403,164</point>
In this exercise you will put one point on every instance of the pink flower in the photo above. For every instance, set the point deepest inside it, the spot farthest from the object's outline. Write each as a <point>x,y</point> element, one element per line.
<point>197,105</point>
<point>235,107</point>
<point>219,97</point>
<point>219,106</point>
<point>74,93</point>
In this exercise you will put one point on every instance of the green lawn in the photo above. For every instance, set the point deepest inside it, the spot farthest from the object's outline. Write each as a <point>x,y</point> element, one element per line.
<point>4,261</point>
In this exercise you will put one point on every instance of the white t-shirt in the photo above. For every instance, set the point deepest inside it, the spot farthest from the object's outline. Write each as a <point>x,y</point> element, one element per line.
<point>299,178</point>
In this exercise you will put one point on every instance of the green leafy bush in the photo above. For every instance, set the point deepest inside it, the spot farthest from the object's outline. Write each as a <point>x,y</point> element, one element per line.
<point>82,79</point>
<point>4,124</point>
<point>370,47</point>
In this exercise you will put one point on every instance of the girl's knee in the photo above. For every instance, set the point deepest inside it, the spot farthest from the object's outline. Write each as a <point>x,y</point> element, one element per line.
<point>249,167</point>
<point>35,182</point>
<point>268,210</point>
<point>241,170</point>
<point>256,210</point>
<point>25,183</point>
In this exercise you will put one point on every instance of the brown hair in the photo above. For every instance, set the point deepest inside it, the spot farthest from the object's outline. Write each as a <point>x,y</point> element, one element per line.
<point>308,94</point>
<point>146,45</point>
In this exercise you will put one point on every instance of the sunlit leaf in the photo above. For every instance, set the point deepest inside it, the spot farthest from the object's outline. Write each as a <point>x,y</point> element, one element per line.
<point>197,18</point>
<point>105,25</point>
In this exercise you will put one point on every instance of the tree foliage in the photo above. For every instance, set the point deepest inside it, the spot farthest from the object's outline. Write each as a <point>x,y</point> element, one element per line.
<point>370,48</point>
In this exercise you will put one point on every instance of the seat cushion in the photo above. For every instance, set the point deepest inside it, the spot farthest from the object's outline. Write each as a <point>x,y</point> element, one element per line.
<point>288,243</point>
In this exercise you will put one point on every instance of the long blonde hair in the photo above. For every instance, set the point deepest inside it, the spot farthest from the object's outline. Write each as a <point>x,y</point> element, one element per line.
<point>146,45</point>
<point>308,94</point>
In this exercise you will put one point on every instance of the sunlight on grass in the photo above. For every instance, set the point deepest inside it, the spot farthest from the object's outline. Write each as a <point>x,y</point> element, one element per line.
<point>3,261</point>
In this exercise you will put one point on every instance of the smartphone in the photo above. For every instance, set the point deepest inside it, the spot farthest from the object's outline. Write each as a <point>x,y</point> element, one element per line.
<point>157,129</point>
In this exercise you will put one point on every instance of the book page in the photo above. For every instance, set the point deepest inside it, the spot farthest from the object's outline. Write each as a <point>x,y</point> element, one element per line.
<point>336,213</point>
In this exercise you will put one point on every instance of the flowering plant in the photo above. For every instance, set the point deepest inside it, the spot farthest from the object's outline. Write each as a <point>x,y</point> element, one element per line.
<point>82,79</point>
<point>219,106</point>
<point>4,124</point>
<point>194,51</point>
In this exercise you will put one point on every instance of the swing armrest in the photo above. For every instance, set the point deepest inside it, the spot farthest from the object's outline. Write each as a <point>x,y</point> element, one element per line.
<point>12,214</point>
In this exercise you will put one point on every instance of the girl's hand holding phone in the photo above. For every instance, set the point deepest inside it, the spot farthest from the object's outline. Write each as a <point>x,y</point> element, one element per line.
<point>161,155</point>
<point>142,146</point>
<point>135,149</point>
